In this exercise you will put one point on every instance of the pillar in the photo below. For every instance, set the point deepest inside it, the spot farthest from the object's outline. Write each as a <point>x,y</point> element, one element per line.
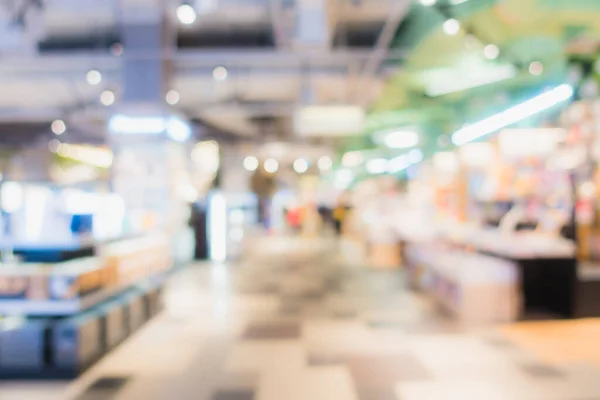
<point>151,165</point>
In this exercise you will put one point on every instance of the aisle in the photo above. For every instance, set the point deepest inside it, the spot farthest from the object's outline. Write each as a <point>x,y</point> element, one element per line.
<point>293,321</point>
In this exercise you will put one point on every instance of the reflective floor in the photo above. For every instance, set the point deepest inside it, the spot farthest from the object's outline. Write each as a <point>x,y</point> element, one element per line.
<point>298,320</point>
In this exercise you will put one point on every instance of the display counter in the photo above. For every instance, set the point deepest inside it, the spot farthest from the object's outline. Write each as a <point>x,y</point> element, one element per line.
<point>70,287</point>
<point>477,288</point>
<point>69,314</point>
<point>546,268</point>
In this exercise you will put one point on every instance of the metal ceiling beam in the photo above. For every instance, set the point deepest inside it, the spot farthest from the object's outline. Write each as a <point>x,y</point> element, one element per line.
<point>382,51</point>
<point>70,63</point>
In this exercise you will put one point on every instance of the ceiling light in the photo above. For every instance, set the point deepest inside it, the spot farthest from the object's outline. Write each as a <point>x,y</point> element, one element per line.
<point>536,68</point>
<point>58,127</point>
<point>93,77</point>
<point>186,14</point>
<point>178,129</point>
<point>428,3</point>
<point>107,98</point>
<point>325,163</point>
<point>250,163</point>
<point>300,165</point>
<point>404,161</point>
<point>377,166</point>
<point>401,139</point>
<point>172,97</point>
<point>451,27</point>
<point>124,124</point>
<point>514,114</point>
<point>491,51</point>
<point>271,165</point>
<point>220,73</point>
<point>398,164</point>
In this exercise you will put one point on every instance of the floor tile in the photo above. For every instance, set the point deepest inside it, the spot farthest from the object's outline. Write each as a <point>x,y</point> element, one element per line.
<point>542,371</point>
<point>234,395</point>
<point>272,331</point>
<point>319,360</point>
<point>296,320</point>
<point>448,391</point>
<point>383,372</point>
<point>106,387</point>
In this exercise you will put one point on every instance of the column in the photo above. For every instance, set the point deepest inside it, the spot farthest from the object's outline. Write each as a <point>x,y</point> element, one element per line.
<point>151,166</point>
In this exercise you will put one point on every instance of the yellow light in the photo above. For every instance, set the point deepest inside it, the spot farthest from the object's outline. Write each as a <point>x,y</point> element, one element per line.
<point>206,155</point>
<point>94,156</point>
<point>271,165</point>
<point>250,163</point>
<point>300,165</point>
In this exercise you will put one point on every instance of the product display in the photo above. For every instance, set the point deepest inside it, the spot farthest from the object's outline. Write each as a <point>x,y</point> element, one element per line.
<point>73,312</point>
<point>73,286</point>
<point>477,288</point>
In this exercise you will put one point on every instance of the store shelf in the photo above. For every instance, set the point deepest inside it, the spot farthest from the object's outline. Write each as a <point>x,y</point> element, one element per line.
<point>63,308</point>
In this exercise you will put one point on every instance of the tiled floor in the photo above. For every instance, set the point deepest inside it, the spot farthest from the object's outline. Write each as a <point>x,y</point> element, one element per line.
<point>559,341</point>
<point>295,320</point>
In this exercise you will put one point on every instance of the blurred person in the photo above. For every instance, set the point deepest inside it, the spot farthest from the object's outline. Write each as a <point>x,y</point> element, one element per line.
<point>339,213</point>
<point>198,222</point>
<point>294,218</point>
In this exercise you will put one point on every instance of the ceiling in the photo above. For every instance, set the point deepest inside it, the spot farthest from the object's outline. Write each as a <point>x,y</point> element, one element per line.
<point>562,36</point>
<point>49,45</point>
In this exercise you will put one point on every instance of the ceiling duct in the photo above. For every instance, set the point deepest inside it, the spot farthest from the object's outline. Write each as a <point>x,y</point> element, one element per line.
<point>315,24</point>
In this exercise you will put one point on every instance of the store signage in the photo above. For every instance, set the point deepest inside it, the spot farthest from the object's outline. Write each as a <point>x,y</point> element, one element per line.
<point>329,121</point>
<point>174,127</point>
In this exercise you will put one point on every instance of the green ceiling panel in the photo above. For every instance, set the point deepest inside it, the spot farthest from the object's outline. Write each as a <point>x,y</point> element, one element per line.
<point>580,5</point>
<point>528,49</point>
<point>417,24</point>
<point>469,7</point>
<point>572,32</point>
<point>525,31</point>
